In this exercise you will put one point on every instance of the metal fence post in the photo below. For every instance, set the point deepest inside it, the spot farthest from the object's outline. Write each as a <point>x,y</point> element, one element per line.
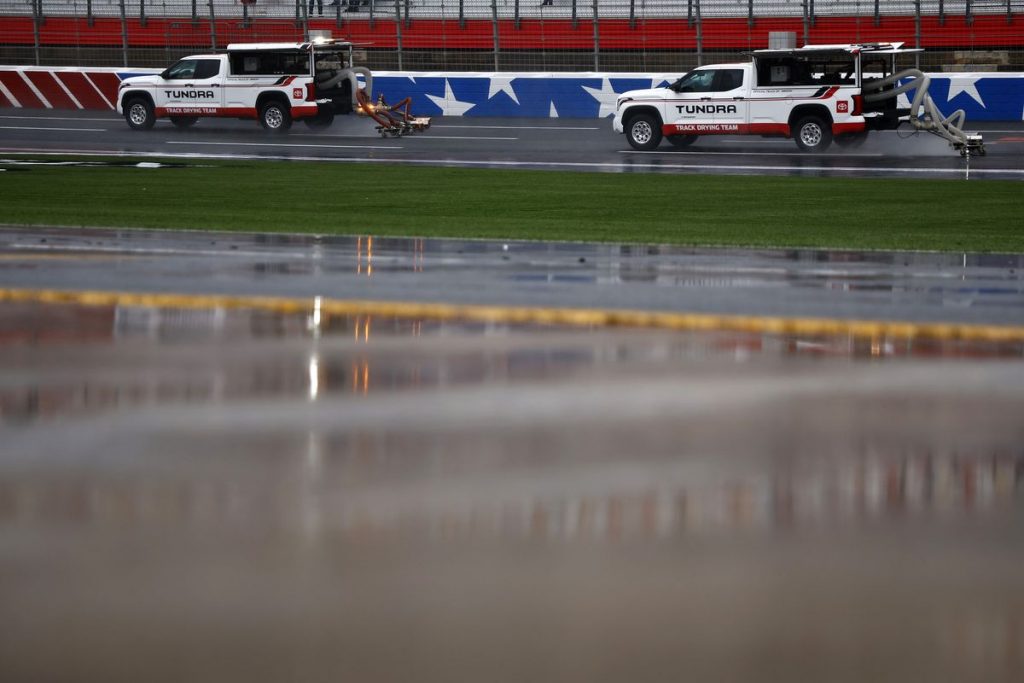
<point>124,35</point>
<point>632,14</point>
<point>142,12</point>
<point>408,21</point>
<point>917,33</point>
<point>516,11</point>
<point>700,36</point>
<point>462,13</point>
<point>494,23</point>
<point>575,19</point>
<point>35,29</point>
<point>968,13</point>
<point>1009,13</point>
<point>878,18</point>
<point>750,13</point>
<point>803,10</point>
<point>942,13</point>
<point>213,28</point>
<point>810,14</point>
<point>88,14</point>
<point>597,40</point>
<point>398,31</point>
<point>195,12</point>
<point>301,17</point>
<point>689,12</point>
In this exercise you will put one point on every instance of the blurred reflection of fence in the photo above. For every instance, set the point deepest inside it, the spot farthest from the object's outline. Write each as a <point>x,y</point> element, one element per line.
<point>847,490</point>
<point>509,35</point>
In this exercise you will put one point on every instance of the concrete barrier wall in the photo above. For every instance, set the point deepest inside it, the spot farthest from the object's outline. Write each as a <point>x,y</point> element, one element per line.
<point>983,96</point>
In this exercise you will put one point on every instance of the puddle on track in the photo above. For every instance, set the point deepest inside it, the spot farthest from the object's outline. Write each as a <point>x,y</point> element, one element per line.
<point>243,495</point>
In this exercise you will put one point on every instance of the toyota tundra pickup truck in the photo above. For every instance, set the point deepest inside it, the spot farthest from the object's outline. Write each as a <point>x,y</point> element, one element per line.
<point>812,94</point>
<point>274,83</point>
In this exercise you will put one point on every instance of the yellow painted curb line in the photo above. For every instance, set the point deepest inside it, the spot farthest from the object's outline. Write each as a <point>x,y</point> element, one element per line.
<point>540,316</point>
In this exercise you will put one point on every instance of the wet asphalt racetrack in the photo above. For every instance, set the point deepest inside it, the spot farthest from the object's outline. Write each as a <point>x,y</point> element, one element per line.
<point>213,488</point>
<point>557,144</point>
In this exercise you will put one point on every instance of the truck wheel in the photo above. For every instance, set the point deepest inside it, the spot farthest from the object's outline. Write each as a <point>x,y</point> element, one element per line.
<point>275,117</point>
<point>681,140</point>
<point>184,121</point>
<point>644,132</point>
<point>813,134</point>
<point>138,112</point>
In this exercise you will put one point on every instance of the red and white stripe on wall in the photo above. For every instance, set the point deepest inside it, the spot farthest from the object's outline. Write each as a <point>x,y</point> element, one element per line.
<point>57,88</point>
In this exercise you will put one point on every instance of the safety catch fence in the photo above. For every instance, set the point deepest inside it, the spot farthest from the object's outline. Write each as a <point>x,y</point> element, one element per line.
<point>509,35</point>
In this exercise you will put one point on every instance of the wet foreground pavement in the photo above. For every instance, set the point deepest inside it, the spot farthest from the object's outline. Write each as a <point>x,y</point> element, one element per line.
<point>234,494</point>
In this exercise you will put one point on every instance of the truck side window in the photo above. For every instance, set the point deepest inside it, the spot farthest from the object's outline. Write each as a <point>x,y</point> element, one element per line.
<point>245,64</point>
<point>729,79</point>
<point>697,81</point>
<point>207,68</point>
<point>186,68</point>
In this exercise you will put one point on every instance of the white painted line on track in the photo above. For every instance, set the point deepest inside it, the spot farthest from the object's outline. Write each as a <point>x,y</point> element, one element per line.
<point>457,137</point>
<point>447,125</point>
<point>751,154</point>
<point>109,119</point>
<point>794,170</point>
<point>84,130</point>
<point>278,144</point>
<point>686,167</point>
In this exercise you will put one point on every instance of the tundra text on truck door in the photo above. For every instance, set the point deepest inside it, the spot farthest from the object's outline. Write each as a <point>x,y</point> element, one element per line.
<point>191,88</point>
<point>710,101</point>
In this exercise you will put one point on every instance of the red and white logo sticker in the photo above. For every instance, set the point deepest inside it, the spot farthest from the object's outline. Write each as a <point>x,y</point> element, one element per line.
<point>842,107</point>
<point>297,93</point>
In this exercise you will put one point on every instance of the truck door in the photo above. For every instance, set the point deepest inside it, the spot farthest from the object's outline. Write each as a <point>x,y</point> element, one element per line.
<point>191,87</point>
<point>690,109</point>
<point>732,108</point>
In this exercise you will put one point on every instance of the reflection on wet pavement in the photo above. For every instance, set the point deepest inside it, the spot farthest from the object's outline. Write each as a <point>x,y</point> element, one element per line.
<point>127,356</point>
<point>235,494</point>
<point>952,288</point>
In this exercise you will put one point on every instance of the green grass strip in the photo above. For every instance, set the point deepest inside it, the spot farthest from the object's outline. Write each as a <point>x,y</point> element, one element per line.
<point>327,198</point>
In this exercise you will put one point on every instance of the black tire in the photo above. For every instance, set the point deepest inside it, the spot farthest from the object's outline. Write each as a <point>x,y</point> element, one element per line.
<point>275,116</point>
<point>138,112</point>
<point>812,134</point>
<point>851,140</point>
<point>184,121</point>
<point>681,140</point>
<point>320,121</point>
<point>643,132</point>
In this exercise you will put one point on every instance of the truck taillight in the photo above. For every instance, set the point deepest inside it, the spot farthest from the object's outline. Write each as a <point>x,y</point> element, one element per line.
<point>310,92</point>
<point>858,105</point>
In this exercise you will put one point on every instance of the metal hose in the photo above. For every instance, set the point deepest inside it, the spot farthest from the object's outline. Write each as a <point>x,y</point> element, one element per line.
<point>933,121</point>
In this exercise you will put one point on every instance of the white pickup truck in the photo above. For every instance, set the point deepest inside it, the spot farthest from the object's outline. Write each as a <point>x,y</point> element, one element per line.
<point>813,94</point>
<point>274,83</point>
